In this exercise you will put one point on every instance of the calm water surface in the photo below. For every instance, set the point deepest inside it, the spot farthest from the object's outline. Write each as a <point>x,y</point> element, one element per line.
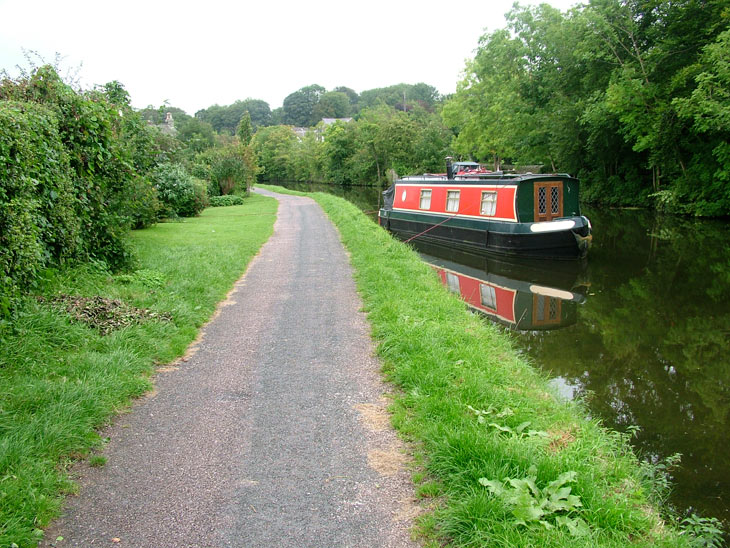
<point>641,332</point>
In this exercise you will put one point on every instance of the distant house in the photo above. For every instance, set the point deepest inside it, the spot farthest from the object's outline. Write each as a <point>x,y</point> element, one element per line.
<point>168,126</point>
<point>330,121</point>
<point>300,132</point>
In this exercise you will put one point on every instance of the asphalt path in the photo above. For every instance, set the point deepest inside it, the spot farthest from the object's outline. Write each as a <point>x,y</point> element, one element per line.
<point>272,432</point>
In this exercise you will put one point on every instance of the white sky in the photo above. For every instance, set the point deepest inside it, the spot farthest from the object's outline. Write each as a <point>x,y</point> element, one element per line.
<point>198,54</point>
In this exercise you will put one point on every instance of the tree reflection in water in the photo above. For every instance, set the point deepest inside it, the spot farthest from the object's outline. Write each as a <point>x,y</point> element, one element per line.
<point>650,346</point>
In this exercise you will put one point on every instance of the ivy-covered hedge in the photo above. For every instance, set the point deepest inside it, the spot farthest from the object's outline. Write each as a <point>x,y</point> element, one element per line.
<point>73,176</point>
<point>38,223</point>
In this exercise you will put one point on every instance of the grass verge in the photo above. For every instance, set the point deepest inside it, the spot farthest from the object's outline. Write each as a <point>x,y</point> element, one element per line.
<point>60,380</point>
<point>505,461</point>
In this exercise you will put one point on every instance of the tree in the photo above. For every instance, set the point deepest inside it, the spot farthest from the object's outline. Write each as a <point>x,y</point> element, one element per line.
<point>234,168</point>
<point>401,96</point>
<point>259,112</point>
<point>225,119</point>
<point>196,134</point>
<point>340,146</point>
<point>605,92</point>
<point>307,158</point>
<point>708,109</point>
<point>299,106</point>
<point>352,95</point>
<point>331,104</point>
<point>273,146</point>
<point>244,131</point>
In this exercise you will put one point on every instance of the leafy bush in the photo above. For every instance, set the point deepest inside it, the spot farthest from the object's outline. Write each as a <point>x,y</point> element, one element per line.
<point>229,200</point>
<point>230,168</point>
<point>106,146</point>
<point>141,204</point>
<point>180,193</point>
<point>37,221</point>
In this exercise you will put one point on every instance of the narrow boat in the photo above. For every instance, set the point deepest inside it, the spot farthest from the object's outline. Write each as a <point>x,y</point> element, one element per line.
<point>528,215</point>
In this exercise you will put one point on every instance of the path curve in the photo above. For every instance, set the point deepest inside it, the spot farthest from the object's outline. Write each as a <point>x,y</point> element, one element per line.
<point>273,433</point>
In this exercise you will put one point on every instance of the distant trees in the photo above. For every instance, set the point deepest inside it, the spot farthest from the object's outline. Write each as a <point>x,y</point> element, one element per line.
<point>195,134</point>
<point>298,107</point>
<point>331,104</point>
<point>273,146</point>
<point>244,130</point>
<point>622,93</point>
<point>225,119</point>
<point>360,151</point>
<point>402,96</point>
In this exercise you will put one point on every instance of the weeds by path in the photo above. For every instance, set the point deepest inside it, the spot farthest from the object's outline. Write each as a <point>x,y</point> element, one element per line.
<point>66,368</point>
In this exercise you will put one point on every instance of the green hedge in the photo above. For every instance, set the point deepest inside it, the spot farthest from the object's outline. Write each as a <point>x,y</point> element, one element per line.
<point>38,224</point>
<point>228,200</point>
<point>74,169</point>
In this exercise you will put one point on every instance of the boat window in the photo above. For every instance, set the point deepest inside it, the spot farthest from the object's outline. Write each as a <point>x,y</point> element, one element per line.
<point>452,282</point>
<point>554,200</point>
<point>452,201</point>
<point>542,200</point>
<point>489,203</point>
<point>488,296</point>
<point>425,199</point>
<point>545,310</point>
<point>548,200</point>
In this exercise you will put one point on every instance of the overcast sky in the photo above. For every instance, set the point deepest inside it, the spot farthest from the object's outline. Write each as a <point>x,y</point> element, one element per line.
<point>194,55</point>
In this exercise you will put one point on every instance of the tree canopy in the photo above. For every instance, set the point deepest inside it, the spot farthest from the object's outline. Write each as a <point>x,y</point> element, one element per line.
<point>628,94</point>
<point>225,119</point>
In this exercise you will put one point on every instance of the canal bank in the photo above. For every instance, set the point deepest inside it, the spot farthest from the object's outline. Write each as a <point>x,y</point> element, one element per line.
<point>487,423</point>
<point>639,333</point>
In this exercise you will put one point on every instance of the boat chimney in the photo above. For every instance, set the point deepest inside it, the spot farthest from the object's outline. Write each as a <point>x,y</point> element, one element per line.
<point>449,169</point>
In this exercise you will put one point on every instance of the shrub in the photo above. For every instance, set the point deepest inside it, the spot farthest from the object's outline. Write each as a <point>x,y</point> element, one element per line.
<point>180,193</point>
<point>104,145</point>
<point>141,205</point>
<point>229,200</point>
<point>37,220</point>
<point>234,169</point>
<point>230,168</point>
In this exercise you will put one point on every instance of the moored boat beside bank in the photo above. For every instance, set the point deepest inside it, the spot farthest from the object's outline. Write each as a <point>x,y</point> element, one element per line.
<point>530,215</point>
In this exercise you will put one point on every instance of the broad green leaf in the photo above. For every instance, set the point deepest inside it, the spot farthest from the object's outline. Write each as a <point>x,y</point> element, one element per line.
<point>495,486</point>
<point>528,512</point>
<point>576,526</point>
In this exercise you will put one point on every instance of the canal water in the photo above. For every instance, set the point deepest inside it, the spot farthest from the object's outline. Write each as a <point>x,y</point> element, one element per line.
<point>640,332</point>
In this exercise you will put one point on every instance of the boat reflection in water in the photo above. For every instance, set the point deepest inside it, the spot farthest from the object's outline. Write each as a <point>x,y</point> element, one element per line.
<point>521,294</point>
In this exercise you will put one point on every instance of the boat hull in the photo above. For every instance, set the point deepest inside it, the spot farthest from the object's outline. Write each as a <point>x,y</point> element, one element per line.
<point>517,239</point>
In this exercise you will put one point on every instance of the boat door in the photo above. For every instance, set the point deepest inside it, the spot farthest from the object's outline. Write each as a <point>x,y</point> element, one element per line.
<point>548,200</point>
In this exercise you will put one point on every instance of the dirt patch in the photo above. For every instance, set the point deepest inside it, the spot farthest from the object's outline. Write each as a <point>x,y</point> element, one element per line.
<point>374,416</point>
<point>103,314</point>
<point>560,439</point>
<point>408,511</point>
<point>388,462</point>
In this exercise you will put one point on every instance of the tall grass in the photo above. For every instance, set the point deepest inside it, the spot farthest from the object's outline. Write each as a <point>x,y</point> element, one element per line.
<point>463,399</point>
<point>60,380</point>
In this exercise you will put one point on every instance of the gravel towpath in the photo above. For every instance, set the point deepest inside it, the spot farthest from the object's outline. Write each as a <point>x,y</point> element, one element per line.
<point>271,433</point>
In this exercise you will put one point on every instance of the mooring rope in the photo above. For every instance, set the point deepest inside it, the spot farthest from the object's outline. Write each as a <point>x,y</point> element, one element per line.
<point>429,229</point>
